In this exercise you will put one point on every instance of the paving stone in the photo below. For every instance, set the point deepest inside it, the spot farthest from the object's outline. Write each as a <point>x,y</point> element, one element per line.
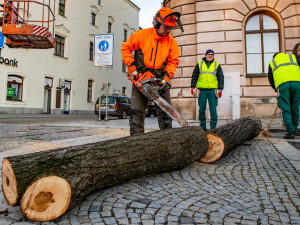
<point>109,220</point>
<point>123,221</point>
<point>148,222</point>
<point>187,220</point>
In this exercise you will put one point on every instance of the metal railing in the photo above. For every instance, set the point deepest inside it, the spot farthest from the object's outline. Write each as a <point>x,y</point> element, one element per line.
<point>15,6</point>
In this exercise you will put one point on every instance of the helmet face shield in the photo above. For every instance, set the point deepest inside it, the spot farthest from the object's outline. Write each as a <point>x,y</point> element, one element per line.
<point>172,22</point>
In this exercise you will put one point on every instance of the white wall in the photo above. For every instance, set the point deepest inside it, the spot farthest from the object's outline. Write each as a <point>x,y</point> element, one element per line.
<point>76,67</point>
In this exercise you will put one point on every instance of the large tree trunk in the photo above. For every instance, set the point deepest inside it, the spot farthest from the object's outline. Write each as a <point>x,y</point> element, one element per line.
<point>226,138</point>
<point>51,175</point>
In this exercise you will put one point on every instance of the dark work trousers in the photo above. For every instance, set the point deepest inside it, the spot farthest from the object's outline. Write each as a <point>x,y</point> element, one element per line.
<point>138,108</point>
<point>289,102</point>
<point>210,96</point>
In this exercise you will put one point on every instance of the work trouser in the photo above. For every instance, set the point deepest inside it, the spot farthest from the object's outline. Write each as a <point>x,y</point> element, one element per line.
<point>138,109</point>
<point>289,101</point>
<point>210,96</point>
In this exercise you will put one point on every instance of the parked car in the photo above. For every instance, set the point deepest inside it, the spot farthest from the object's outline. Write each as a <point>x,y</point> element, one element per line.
<point>117,105</point>
<point>151,109</point>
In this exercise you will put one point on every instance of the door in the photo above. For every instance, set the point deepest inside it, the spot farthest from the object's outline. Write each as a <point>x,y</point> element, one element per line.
<point>67,102</point>
<point>47,101</point>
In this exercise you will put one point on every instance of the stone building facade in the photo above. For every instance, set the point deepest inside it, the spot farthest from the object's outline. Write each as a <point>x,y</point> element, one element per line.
<point>244,35</point>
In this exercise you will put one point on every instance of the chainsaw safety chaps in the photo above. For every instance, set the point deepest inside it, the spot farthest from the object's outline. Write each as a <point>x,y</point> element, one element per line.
<point>138,108</point>
<point>164,121</point>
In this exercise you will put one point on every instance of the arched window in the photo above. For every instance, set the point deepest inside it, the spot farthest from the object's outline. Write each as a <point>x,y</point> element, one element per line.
<point>262,41</point>
<point>14,88</point>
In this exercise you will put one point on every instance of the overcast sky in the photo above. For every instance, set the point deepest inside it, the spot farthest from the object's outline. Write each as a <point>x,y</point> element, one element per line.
<point>148,8</point>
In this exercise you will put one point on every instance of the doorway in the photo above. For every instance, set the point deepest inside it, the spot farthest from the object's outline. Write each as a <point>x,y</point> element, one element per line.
<point>47,94</point>
<point>67,93</point>
<point>66,102</point>
<point>47,101</point>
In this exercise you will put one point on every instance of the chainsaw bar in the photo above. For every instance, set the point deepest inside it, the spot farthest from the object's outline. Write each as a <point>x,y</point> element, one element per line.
<point>167,108</point>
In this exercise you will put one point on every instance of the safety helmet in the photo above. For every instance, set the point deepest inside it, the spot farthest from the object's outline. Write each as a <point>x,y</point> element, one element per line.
<point>169,19</point>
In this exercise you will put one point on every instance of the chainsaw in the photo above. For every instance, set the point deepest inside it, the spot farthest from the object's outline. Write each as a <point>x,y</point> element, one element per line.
<point>148,84</point>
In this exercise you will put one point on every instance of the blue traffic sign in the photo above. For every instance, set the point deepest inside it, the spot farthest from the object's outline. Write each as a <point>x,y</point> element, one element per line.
<point>2,38</point>
<point>103,46</point>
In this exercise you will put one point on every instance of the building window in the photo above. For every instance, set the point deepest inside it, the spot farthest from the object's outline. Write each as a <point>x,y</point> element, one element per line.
<point>109,27</point>
<point>123,90</point>
<point>90,91</point>
<point>48,82</point>
<point>14,88</point>
<point>60,46</point>
<point>62,7</point>
<point>262,41</point>
<point>58,98</point>
<point>124,39</point>
<point>125,35</point>
<point>93,19</point>
<point>91,51</point>
<point>67,85</point>
<point>99,2</point>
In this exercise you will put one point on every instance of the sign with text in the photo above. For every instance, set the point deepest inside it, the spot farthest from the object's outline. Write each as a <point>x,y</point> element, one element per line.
<point>10,92</point>
<point>2,38</point>
<point>103,50</point>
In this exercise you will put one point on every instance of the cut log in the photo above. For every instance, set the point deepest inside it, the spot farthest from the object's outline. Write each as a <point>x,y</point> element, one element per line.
<point>88,168</point>
<point>46,199</point>
<point>226,138</point>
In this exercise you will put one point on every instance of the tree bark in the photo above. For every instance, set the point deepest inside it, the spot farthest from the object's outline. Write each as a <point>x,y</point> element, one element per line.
<point>88,168</point>
<point>226,138</point>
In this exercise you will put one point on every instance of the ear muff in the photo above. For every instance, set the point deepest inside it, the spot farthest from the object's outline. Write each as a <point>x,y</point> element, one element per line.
<point>156,23</point>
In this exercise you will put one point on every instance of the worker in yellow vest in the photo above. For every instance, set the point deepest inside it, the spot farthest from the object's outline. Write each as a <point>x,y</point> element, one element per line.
<point>284,76</point>
<point>208,77</point>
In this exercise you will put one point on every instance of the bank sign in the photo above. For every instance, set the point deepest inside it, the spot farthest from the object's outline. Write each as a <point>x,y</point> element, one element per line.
<point>103,49</point>
<point>9,62</point>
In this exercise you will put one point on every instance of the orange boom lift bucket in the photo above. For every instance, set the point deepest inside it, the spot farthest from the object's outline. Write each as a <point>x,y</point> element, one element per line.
<point>27,23</point>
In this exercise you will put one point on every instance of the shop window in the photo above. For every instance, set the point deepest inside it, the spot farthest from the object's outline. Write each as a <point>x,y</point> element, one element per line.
<point>91,51</point>
<point>60,46</point>
<point>62,7</point>
<point>90,91</point>
<point>93,19</point>
<point>262,41</point>
<point>14,88</point>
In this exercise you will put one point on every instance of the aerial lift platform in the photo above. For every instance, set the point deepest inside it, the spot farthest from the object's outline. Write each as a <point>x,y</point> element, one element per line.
<point>27,23</point>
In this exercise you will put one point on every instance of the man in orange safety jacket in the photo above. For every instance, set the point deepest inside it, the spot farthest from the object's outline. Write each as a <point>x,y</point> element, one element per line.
<point>155,51</point>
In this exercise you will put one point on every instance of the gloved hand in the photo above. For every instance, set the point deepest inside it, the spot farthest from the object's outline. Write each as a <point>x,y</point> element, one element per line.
<point>132,72</point>
<point>165,83</point>
<point>219,93</point>
<point>193,91</point>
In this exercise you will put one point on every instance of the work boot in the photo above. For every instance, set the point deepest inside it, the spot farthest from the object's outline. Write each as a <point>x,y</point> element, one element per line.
<point>289,136</point>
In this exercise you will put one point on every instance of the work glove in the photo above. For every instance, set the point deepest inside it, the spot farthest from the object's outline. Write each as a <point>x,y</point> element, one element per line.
<point>132,72</point>
<point>165,83</point>
<point>193,91</point>
<point>219,93</point>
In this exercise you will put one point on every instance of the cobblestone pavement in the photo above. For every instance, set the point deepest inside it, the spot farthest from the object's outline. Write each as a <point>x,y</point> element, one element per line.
<point>257,183</point>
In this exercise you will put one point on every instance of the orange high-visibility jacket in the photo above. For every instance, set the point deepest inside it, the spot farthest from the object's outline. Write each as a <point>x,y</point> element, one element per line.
<point>152,52</point>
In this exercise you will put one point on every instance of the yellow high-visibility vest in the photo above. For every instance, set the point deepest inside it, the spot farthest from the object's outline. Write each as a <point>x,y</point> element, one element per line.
<point>208,76</point>
<point>285,68</point>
